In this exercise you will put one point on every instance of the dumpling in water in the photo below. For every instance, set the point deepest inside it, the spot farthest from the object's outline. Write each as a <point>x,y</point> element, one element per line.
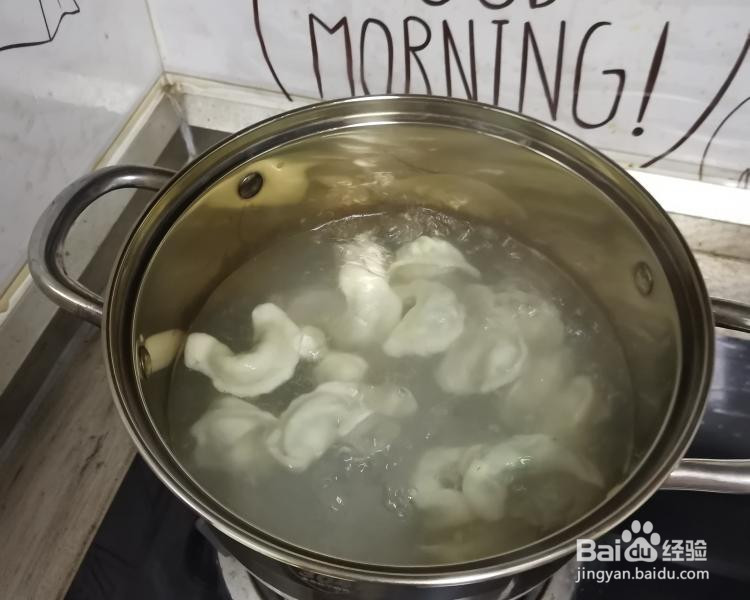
<point>428,258</point>
<point>340,366</point>
<point>538,320</point>
<point>390,400</point>
<point>457,485</point>
<point>162,348</point>
<point>372,307</point>
<point>311,343</point>
<point>438,485</point>
<point>313,422</point>
<point>548,398</point>
<point>490,352</point>
<point>317,306</point>
<point>230,436</point>
<point>279,344</point>
<point>389,404</point>
<point>431,325</point>
<point>537,464</point>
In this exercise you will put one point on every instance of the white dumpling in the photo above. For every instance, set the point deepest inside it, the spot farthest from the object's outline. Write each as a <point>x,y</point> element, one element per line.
<point>390,400</point>
<point>340,366</point>
<point>547,398</point>
<point>489,354</point>
<point>389,403</point>
<point>230,435</point>
<point>480,362</point>
<point>428,258</point>
<point>538,320</point>
<point>438,485</point>
<point>271,362</point>
<point>431,325</point>
<point>373,435</point>
<point>490,475</point>
<point>162,348</point>
<point>578,399</point>
<point>315,421</point>
<point>318,306</point>
<point>372,307</point>
<point>543,377</point>
<point>311,343</point>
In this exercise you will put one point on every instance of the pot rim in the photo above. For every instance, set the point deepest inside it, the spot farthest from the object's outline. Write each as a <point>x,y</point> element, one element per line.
<point>117,323</point>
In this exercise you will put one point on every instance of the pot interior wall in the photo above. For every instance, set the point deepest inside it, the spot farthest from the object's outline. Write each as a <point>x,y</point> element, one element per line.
<point>371,168</point>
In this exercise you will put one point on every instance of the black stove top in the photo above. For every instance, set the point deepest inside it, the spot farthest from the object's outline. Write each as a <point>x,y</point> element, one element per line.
<point>149,547</point>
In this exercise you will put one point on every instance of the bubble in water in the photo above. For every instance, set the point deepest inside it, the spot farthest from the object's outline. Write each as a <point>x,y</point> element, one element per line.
<point>399,500</point>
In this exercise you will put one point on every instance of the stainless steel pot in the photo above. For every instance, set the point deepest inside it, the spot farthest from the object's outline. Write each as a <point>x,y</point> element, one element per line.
<point>354,156</point>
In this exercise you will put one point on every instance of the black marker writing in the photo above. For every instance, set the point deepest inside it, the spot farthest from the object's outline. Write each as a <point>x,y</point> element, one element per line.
<point>450,44</point>
<point>342,23</point>
<point>264,50</point>
<point>499,23</point>
<point>389,40</point>
<point>552,95</point>
<point>410,51</point>
<point>51,33</point>
<point>619,73</point>
<point>709,109</point>
<point>653,73</point>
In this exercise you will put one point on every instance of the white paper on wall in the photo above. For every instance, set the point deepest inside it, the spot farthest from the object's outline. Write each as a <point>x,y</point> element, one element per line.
<point>660,85</point>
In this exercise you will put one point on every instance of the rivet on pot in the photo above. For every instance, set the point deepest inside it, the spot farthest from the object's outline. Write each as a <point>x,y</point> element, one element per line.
<point>250,185</point>
<point>144,359</point>
<point>644,279</point>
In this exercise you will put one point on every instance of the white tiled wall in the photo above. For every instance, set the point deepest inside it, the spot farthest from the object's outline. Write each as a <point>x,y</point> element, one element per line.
<point>63,101</point>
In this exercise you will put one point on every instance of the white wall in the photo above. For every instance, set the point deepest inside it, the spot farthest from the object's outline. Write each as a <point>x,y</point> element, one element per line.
<point>217,39</point>
<point>63,101</point>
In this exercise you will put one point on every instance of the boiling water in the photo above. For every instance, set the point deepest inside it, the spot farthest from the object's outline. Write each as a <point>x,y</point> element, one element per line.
<point>358,500</point>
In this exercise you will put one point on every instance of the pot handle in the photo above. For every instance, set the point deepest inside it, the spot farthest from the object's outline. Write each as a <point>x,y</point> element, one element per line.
<point>711,475</point>
<point>47,241</point>
<point>731,315</point>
